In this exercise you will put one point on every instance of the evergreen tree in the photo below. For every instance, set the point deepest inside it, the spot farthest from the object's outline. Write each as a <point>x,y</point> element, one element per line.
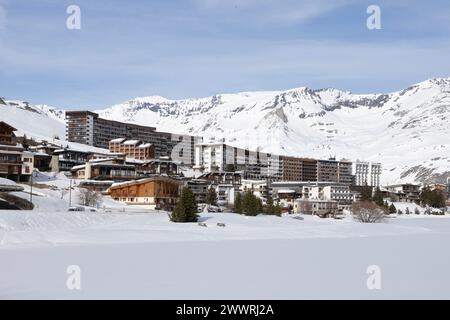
<point>432,198</point>
<point>238,203</point>
<point>366,193</point>
<point>399,211</point>
<point>277,210</point>
<point>251,205</point>
<point>25,143</point>
<point>211,197</point>
<point>392,208</point>
<point>270,208</point>
<point>186,208</point>
<point>259,205</point>
<point>378,198</point>
<point>407,211</point>
<point>416,211</point>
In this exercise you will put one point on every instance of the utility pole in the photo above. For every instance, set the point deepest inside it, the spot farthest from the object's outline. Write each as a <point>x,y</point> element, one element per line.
<point>70,193</point>
<point>31,187</point>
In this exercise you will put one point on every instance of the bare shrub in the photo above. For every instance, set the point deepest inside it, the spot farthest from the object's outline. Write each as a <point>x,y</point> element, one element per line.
<point>89,198</point>
<point>368,212</point>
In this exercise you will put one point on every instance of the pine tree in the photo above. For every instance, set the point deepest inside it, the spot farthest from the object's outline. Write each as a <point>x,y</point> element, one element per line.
<point>432,198</point>
<point>378,198</point>
<point>277,210</point>
<point>259,205</point>
<point>211,197</point>
<point>392,208</point>
<point>238,203</point>
<point>270,208</point>
<point>416,211</point>
<point>251,205</point>
<point>186,208</point>
<point>366,193</point>
<point>25,143</point>
<point>407,211</point>
<point>399,211</point>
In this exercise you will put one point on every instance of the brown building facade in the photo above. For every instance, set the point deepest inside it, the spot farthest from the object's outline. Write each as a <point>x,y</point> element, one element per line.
<point>10,155</point>
<point>7,135</point>
<point>87,127</point>
<point>299,169</point>
<point>156,192</point>
<point>135,149</point>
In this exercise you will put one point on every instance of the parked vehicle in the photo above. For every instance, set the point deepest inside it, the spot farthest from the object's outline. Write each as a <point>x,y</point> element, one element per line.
<point>214,209</point>
<point>76,209</point>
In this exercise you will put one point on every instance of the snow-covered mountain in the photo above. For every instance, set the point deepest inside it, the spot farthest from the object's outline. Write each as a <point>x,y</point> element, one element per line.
<point>407,131</point>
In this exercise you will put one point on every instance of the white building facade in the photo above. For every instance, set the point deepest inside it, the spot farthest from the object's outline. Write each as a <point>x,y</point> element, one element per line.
<point>367,173</point>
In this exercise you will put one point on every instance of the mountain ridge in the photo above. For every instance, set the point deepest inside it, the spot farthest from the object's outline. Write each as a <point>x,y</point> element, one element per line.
<point>407,130</point>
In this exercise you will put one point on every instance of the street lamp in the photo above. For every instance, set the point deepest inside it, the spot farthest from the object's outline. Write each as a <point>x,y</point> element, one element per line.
<point>68,174</point>
<point>31,184</point>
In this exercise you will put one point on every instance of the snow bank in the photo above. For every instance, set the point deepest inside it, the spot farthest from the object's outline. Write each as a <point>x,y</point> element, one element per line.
<point>7,182</point>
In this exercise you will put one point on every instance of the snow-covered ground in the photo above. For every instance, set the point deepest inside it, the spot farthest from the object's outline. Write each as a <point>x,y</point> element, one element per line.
<point>136,255</point>
<point>124,252</point>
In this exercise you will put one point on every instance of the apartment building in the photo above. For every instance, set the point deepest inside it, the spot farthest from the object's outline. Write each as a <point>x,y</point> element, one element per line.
<point>259,188</point>
<point>367,173</point>
<point>323,208</point>
<point>200,188</point>
<point>254,165</point>
<point>135,149</point>
<point>341,194</point>
<point>105,169</point>
<point>11,155</point>
<point>154,192</point>
<point>404,192</point>
<point>335,171</point>
<point>299,169</point>
<point>158,166</point>
<point>66,158</point>
<point>87,127</point>
<point>327,170</point>
<point>345,172</point>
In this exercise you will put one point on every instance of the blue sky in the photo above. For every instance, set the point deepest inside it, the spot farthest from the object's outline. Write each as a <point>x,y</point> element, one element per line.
<point>194,48</point>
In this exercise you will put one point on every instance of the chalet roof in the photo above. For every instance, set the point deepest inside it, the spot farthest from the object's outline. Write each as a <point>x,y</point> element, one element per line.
<point>132,142</point>
<point>145,145</point>
<point>141,181</point>
<point>4,124</point>
<point>8,146</point>
<point>10,152</point>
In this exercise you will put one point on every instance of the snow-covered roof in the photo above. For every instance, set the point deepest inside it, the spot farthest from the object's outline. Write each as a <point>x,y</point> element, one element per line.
<point>286,191</point>
<point>118,140</point>
<point>18,146</point>
<point>131,142</point>
<point>133,160</point>
<point>10,152</point>
<point>101,160</point>
<point>145,145</point>
<point>81,166</point>
<point>140,181</point>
